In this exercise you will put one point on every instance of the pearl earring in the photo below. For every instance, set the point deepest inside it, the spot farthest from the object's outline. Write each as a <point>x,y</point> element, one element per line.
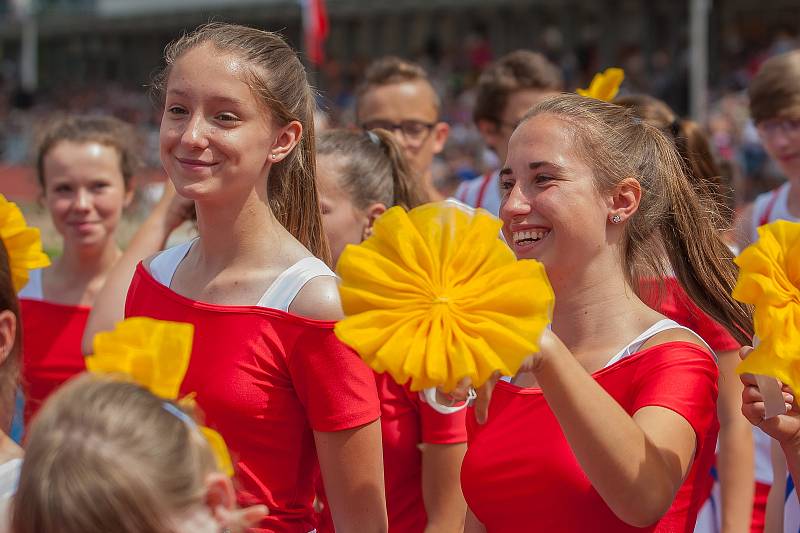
<point>274,157</point>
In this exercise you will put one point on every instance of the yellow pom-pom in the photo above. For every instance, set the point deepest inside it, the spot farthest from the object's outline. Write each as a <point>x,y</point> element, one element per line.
<point>434,296</point>
<point>769,279</point>
<point>605,85</point>
<point>23,243</point>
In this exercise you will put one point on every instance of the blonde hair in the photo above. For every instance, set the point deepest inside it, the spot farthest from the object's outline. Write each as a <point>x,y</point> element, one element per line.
<point>619,145</point>
<point>106,455</point>
<point>390,70</point>
<point>278,79</point>
<point>374,168</point>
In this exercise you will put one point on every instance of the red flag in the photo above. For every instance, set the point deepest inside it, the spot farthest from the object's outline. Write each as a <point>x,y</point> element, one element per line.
<point>315,29</point>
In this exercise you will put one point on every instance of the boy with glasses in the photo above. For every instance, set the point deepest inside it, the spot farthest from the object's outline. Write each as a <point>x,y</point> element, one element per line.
<point>396,95</point>
<point>775,108</point>
<point>507,89</point>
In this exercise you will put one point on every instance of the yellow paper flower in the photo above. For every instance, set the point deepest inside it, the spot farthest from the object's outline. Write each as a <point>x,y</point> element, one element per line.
<point>769,279</point>
<point>434,296</point>
<point>154,354</point>
<point>605,85</point>
<point>23,243</point>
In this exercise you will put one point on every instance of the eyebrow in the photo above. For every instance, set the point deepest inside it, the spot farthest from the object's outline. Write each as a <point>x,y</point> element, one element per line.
<point>221,98</point>
<point>533,165</point>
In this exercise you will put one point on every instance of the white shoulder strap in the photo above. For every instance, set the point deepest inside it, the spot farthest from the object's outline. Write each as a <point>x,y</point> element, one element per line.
<point>285,288</point>
<point>33,290</point>
<point>164,265</point>
<point>658,327</point>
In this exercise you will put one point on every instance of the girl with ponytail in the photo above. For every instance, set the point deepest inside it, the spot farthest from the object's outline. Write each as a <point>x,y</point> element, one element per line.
<point>361,175</point>
<point>237,138</point>
<point>731,505</point>
<point>612,425</point>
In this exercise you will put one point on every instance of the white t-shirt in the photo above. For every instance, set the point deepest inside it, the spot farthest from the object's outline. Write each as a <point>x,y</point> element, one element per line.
<point>9,477</point>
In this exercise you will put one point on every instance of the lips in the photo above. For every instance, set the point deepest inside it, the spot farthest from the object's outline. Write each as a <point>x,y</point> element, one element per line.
<point>195,164</point>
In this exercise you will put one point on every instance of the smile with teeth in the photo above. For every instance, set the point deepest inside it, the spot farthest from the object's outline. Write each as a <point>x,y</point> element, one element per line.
<point>527,237</point>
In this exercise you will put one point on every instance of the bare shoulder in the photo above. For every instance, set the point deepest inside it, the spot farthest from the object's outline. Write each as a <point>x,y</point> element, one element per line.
<point>675,335</point>
<point>318,300</point>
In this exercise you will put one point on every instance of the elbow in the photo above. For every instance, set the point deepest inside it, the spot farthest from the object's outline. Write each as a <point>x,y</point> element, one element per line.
<point>645,508</point>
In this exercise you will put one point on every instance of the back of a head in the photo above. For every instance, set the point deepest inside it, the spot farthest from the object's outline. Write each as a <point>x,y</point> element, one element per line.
<point>105,455</point>
<point>9,369</point>
<point>80,129</point>
<point>694,148</point>
<point>391,70</point>
<point>516,71</point>
<point>278,79</point>
<point>775,91</point>
<point>373,168</point>
<point>670,217</point>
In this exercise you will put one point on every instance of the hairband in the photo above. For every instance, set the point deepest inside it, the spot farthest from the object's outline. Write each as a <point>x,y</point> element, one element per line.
<point>373,137</point>
<point>155,354</point>
<point>23,244</point>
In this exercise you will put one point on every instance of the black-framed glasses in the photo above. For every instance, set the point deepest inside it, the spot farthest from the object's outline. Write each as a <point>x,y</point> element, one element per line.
<point>413,131</point>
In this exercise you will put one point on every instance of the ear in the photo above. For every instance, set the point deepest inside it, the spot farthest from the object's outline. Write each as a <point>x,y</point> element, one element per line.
<point>8,333</point>
<point>220,496</point>
<point>287,138</point>
<point>373,212</point>
<point>440,132</point>
<point>624,200</point>
<point>489,132</point>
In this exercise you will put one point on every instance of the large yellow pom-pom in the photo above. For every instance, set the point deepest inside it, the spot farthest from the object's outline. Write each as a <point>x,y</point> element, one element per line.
<point>605,85</point>
<point>769,279</point>
<point>434,296</point>
<point>23,243</point>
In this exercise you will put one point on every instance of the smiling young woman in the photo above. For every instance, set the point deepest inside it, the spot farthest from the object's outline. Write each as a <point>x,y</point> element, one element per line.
<point>612,426</point>
<point>237,138</point>
<point>84,166</point>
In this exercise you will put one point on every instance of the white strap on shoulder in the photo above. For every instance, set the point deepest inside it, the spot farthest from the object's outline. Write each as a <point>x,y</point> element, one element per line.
<point>164,265</point>
<point>33,290</point>
<point>658,327</point>
<point>290,282</point>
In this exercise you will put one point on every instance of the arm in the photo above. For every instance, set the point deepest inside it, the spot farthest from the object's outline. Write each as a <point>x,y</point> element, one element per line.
<point>109,306</point>
<point>636,464</point>
<point>441,487</point>
<point>735,463</point>
<point>773,519</point>
<point>352,470</point>
<point>472,524</point>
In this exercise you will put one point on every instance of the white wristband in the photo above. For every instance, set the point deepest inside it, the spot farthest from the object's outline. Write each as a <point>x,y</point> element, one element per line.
<point>429,396</point>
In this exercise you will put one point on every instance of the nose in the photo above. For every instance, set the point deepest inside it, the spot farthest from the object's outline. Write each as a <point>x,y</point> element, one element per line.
<point>195,133</point>
<point>514,204</point>
<point>83,200</point>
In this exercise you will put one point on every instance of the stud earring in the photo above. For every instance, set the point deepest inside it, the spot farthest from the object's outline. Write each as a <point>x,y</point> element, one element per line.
<point>274,157</point>
<point>616,219</point>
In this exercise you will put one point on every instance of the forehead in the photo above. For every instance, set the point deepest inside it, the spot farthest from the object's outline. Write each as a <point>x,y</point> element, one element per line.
<point>406,100</point>
<point>544,138</point>
<point>69,158</point>
<point>205,70</point>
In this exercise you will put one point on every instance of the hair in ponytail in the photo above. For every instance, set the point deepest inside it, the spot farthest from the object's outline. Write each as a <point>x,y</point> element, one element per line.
<point>373,168</point>
<point>694,149</point>
<point>672,218</point>
<point>278,78</point>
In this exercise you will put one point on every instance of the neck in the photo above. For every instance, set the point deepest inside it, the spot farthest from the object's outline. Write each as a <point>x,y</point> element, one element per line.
<point>8,449</point>
<point>237,232</point>
<point>430,189</point>
<point>596,309</point>
<point>793,199</point>
<point>79,265</point>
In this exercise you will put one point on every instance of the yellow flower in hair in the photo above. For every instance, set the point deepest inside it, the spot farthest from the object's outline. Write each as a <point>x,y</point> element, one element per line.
<point>23,243</point>
<point>769,279</point>
<point>154,354</point>
<point>605,85</point>
<point>434,296</point>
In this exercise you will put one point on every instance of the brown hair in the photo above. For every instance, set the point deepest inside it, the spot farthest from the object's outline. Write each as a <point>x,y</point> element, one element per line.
<point>373,168</point>
<point>390,70</point>
<point>106,455</point>
<point>693,147</point>
<point>9,369</point>
<point>516,71</point>
<point>775,90</point>
<point>278,79</point>
<point>619,145</point>
<point>81,129</point>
